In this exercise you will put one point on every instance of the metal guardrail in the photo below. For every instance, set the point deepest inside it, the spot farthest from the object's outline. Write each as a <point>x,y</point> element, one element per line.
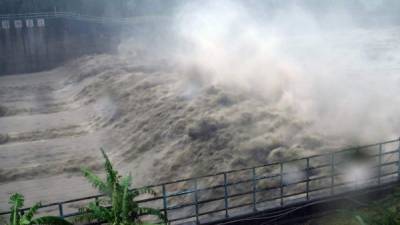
<point>82,17</point>
<point>272,186</point>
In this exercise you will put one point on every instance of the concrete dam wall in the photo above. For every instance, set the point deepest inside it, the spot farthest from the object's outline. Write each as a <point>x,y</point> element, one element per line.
<point>33,44</point>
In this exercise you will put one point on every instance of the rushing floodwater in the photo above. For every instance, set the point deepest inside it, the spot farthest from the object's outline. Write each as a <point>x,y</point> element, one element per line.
<point>162,122</point>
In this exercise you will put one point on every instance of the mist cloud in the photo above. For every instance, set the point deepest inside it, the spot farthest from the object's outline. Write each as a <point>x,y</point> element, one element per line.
<point>328,68</point>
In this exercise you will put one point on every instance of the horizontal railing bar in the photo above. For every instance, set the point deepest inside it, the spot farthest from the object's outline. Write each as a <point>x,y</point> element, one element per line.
<point>180,206</point>
<point>74,16</point>
<point>33,13</point>
<point>371,156</point>
<point>388,174</point>
<point>370,145</point>
<point>366,180</point>
<point>209,200</point>
<point>321,188</point>
<point>267,189</point>
<point>72,214</point>
<point>319,166</point>
<point>310,190</point>
<point>221,185</point>
<point>182,218</point>
<point>179,193</point>
<point>258,178</point>
<point>296,182</point>
<point>386,153</point>
<point>79,200</point>
<point>250,168</point>
<point>385,164</point>
<point>278,198</point>
<point>323,177</point>
<point>267,200</point>
<point>192,190</point>
<point>220,210</point>
<point>210,212</point>
<point>294,194</point>
<point>231,196</point>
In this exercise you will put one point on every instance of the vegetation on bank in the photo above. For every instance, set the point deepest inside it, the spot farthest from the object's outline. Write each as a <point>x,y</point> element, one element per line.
<point>382,212</point>
<point>124,209</point>
<point>118,207</point>
<point>17,217</point>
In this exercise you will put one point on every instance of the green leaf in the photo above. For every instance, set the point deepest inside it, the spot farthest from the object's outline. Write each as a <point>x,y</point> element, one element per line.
<point>124,210</point>
<point>85,216</point>
<point>141,191</point>
<point>125,203</point>
<point>50,220</point>
<point>99,212</point>
<point>112,175</point>
<point>126,181</point>
<point>96,181</point>
<point>32,211</point>
<point>17,202</point>
<point>142,211</point>
<point>360,220</point>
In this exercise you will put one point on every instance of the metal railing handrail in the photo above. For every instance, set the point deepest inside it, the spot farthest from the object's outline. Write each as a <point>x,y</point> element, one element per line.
<point>253,179</point>
<point>82,17</point>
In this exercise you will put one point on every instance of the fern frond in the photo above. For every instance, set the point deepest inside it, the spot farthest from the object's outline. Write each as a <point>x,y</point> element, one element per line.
<point>99,212</point>
<point>32,211</point>
<point>126,181</point>
<point>95,181</point>
<point>143,211</point>
<point>141,191</point>
<point>17,202</point>
<point>122,209</point>
<point>126,206</point>
<point>112,175</point>
<point>84,216</point>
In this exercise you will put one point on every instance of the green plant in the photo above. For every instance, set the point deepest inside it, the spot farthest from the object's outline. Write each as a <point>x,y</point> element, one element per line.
<point>387,216</point>
<point>360,220</point>
<point>119,206</point>
<point>383,212</point>
<point>17,218</point>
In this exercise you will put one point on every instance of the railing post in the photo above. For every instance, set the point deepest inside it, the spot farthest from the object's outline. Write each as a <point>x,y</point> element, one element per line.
<point>226,194</point>
<point>196,201</point>
<point>380,163</point>
<point>281,181</point>
<point>332,173</point>
<point>97,201</point>
<point>165,203</point>
<point>308,179</point>
<point>254,190</point>
<point>60,210</point>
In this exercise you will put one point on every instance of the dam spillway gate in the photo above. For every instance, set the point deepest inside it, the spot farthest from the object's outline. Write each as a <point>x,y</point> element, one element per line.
<point>34,42</point>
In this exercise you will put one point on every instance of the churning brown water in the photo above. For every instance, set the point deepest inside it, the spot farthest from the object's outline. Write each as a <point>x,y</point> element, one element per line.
<point>216,104</point>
